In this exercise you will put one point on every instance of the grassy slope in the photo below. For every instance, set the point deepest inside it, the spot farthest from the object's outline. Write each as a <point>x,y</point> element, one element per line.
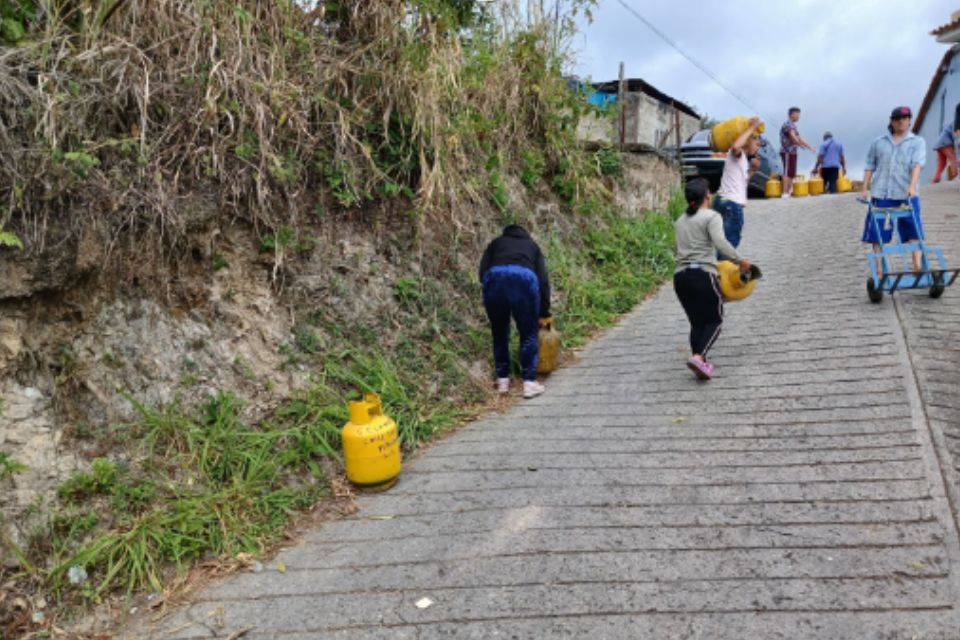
<point>197,482</point>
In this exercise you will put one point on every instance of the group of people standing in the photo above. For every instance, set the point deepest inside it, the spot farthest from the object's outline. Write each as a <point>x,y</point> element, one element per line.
<point>514,274</point>
<point>831,160</point>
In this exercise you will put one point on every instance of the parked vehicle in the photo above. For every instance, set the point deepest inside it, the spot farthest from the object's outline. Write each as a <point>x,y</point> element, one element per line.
<point>700,160</point>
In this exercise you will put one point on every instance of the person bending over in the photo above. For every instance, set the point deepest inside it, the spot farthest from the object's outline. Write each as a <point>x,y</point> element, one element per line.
<point>513,273</point>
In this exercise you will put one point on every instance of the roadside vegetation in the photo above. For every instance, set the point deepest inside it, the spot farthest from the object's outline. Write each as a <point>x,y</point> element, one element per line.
<point>424,111</point>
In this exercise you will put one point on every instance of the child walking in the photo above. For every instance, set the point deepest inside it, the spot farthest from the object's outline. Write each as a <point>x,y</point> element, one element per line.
<point>699,234</point>
<point>515,283</point>
<point>738,168</point>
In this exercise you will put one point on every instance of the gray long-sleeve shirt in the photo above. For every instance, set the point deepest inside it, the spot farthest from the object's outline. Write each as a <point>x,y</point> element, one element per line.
<point>699,237</point>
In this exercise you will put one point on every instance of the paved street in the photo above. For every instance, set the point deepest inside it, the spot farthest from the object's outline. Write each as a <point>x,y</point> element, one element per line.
<point>804,493</point>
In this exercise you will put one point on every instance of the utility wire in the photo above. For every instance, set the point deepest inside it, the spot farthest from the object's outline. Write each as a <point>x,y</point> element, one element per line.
<point>690,58</point>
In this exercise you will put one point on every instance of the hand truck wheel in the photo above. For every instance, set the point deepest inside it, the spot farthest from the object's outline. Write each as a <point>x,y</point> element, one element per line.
<point>875,295</point>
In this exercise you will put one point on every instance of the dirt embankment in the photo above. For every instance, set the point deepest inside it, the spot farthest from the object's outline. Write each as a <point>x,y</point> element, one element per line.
<point>86,328</point>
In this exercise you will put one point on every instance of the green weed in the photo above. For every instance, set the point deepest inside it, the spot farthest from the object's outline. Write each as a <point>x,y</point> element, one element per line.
<point>532,168</point>
<point>608,162</point>
<point>10,467</point>
<point>212,484</point>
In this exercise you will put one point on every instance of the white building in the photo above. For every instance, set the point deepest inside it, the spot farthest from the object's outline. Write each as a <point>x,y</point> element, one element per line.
<point>942,97</point>
<point>650,117</point>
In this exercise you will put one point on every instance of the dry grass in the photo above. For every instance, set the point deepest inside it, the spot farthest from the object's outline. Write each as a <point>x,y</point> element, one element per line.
<point>116,114</point>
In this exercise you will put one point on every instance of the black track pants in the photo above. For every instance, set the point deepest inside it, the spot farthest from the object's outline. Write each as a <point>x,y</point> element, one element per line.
<point>699,293</point>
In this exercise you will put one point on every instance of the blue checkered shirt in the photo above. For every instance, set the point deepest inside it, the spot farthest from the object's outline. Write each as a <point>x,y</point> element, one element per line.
<point>891,164</point>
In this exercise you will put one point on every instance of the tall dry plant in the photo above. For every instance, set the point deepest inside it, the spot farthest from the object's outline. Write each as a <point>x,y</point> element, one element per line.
<point>126,115</point>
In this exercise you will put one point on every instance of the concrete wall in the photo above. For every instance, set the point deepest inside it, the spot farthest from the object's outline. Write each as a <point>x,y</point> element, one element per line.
<point>647,184</point>
<point>941,111</point>
<point>647,120</point>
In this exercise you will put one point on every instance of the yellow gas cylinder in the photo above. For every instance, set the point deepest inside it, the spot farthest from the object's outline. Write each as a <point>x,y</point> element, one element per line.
<point>723,135</point>
<point>774,187</point>
<point>815,185</point>
<point>549,347</point>
<point>843,184</point>
<point>735,285</point>
<point>371,445</point>
<point>800,187</point>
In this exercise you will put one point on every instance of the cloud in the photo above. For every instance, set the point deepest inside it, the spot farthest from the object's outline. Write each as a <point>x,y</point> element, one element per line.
<point>846,64</point>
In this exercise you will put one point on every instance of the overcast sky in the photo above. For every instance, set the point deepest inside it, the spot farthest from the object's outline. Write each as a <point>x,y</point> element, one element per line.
<point>845,63</point>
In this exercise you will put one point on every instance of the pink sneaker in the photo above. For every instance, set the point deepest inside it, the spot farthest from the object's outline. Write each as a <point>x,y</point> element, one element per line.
<point>503,385</point>
<point>532,389</point>
<point>702,369</point>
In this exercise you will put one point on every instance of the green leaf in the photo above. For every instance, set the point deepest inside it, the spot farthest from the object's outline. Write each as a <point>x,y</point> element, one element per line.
<point>7,239</point>
<point>11,31</point>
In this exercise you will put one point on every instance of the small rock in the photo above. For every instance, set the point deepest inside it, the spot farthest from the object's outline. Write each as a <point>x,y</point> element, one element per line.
<point>77,574</point>
<point>423,603</point>
<point>38,617</point>
<point>32,393</point>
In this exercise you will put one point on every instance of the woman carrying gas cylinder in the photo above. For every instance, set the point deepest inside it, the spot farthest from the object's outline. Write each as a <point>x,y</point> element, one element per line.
<point>699,234</point>
<point>513,272</point>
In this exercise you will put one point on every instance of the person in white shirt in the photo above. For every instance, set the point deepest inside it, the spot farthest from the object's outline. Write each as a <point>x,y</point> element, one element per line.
<point>738,168</point>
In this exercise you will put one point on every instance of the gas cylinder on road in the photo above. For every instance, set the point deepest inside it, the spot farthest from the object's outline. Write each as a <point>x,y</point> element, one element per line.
<point>724,134</point>
<point>549,346</point>
<point>843,184</point>
<point>371,445</point>
<point>734,284</point>
<point>800,187</point>
<point>815,185</point>
<point>774,188</point>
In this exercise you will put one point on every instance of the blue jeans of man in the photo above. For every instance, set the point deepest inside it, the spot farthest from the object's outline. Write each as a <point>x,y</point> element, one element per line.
<point>732,214</point>
<point>513,291</point>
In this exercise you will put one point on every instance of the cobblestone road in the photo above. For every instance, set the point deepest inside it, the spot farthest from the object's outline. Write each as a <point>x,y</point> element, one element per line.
<point>804,493</point>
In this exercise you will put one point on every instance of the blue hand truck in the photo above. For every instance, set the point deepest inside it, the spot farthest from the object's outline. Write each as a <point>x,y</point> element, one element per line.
<point>934,274</point>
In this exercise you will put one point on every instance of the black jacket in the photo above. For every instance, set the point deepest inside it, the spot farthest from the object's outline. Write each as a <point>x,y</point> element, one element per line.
<point>516,247</point>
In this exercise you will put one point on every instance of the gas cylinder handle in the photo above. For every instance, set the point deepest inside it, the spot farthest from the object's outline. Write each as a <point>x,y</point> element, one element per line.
<point>376,406</point>
<point>359,412</point>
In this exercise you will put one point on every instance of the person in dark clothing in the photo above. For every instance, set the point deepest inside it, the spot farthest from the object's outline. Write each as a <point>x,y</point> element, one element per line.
<point>513,273</point>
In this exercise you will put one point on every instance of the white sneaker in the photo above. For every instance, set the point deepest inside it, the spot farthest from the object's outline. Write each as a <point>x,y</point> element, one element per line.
<point>503,385</point>
<point>532,388</point>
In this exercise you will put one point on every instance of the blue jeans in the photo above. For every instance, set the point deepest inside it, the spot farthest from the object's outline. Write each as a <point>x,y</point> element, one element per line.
<point>732,214</point>
<point>513,291</point>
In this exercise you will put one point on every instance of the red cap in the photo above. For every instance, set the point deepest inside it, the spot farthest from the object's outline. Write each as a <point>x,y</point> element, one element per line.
<point>901,112</point>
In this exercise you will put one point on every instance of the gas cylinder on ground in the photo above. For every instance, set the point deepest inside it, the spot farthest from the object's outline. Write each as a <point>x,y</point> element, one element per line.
<point>843,184</point>
<point>371,445</point>
<point>734,284</point>
<point>800,187</point>
<point>724,134</point>
<point>549,347</point>
<point>774,188</point>
<point>815,185</point>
